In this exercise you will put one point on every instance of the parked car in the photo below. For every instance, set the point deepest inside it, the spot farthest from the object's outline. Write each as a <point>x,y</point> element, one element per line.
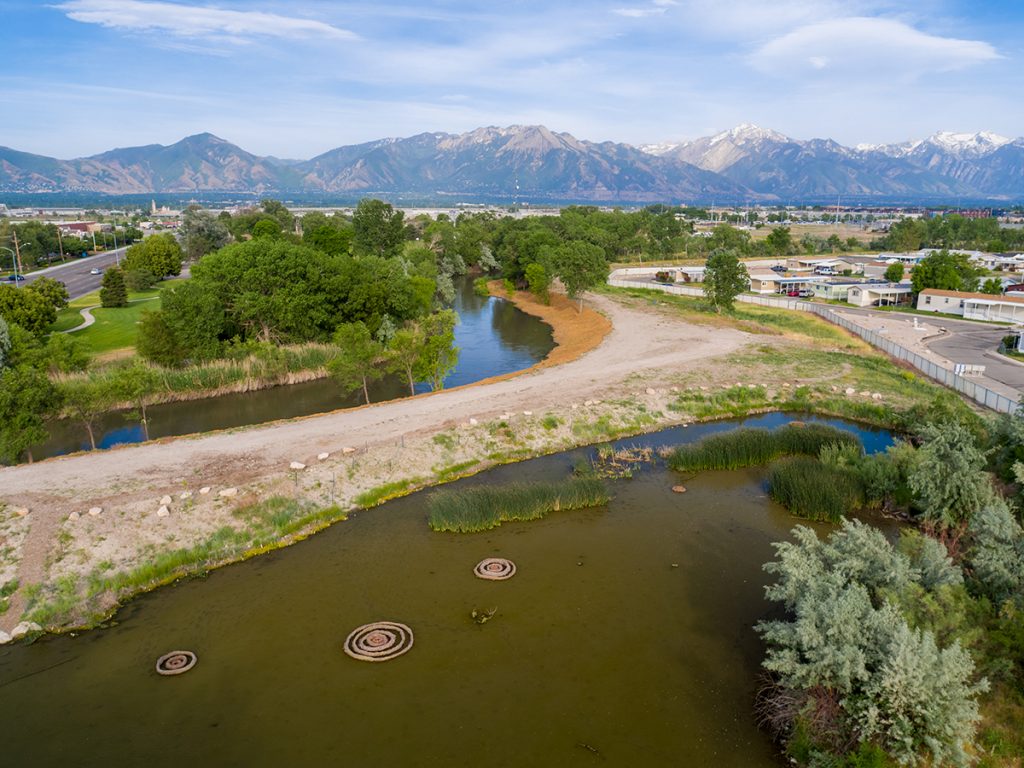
<point>778,268</point>
<point>794,293</point>
<point>12,278</point>
<point>95,271</point>
<point>805,293</point>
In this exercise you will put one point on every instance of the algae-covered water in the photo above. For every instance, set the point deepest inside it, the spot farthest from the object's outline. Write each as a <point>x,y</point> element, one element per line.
<point>624,639</point>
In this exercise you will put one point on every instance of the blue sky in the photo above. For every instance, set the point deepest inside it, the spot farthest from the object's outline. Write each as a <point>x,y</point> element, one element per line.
<point>294,79</point>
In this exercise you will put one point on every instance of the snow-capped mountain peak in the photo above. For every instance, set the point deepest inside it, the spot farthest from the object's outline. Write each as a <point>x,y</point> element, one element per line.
<point>746,132</point>
<point>968,144</point>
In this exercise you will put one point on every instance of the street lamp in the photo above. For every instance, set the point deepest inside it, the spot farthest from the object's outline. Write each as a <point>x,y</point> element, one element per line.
<point>14,261</point>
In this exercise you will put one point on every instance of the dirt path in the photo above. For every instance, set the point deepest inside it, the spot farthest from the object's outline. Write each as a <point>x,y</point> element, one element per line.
<point>638,341</point>
<point>127,481</point>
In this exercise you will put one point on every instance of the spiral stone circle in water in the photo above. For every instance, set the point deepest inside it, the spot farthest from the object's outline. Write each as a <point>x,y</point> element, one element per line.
<point>495,569</point>
<point>176,662</point>
<point>380,641</point>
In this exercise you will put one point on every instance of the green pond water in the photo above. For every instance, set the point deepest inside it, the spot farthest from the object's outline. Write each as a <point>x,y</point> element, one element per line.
<point>624,639</point>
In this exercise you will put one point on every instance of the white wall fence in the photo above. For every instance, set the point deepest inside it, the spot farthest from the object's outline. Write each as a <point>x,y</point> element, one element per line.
<point>971,389</point>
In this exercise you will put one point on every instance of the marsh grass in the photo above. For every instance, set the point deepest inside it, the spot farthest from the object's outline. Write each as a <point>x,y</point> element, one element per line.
<point>481,508</point>
<point>753,447</point>
<point>816,491</point>
<point>382,493</point>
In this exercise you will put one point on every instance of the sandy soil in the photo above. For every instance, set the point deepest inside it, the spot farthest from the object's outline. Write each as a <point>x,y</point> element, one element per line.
<point>410,439</point>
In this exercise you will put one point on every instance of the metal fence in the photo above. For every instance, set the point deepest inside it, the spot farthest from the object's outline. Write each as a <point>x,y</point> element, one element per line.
<point>971,389</point>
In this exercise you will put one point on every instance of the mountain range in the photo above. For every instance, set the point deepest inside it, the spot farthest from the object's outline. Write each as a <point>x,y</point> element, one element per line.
<point>532,163</point>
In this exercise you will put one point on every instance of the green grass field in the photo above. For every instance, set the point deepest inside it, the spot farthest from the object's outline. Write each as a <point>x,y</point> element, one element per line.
<point>114,328</point>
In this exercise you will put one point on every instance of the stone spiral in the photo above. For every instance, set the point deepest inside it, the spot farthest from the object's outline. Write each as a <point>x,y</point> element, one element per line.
<point>380,641</point>
<point>176,662</point>
<point>495,569</point>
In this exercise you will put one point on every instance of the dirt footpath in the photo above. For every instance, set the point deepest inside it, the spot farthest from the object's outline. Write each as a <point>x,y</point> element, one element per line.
<point>130,483</point>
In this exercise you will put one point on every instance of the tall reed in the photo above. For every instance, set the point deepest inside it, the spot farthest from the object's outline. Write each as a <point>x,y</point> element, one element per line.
<point>480,508</point>
<point>754,447</point>
<point>808,488</point>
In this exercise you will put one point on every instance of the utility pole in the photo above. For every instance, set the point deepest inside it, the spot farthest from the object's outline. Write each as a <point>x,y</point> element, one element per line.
<point>17,253</point>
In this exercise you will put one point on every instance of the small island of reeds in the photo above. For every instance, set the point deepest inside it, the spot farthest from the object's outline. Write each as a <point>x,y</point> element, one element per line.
<point>481,508</point>
<point>740,448</point>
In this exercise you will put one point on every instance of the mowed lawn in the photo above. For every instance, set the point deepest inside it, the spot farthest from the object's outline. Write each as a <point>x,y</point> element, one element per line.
<point>114,329</point>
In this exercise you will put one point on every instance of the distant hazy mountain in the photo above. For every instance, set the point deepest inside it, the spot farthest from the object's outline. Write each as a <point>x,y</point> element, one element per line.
<point>529,161</point>
<point>943,165</point>
<point>533,163</point>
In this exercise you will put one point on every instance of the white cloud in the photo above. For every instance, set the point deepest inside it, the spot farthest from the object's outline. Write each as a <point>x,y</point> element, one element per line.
<point>868,47</point>
<point>755,19</point>
<point>197,21</point>
<point>656,8</point>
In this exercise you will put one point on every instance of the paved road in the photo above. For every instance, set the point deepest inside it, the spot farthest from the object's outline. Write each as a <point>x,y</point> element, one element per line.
<point>964,342</point>
<point>75,274</point>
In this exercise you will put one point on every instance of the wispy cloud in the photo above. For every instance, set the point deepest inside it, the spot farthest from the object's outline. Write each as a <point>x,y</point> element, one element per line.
<point>863,47</point>
<point>189,21</point>
<point>655,8</point>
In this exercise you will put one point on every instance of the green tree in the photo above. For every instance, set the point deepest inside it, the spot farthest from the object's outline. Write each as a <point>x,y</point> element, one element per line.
<point>439,355</point>
<point>266,228</point>
<point>845,641</point>
<point>538,280</point>
<point>135,383</point>
<point>52,290</point>
<point>945,271</point>
<point>359,360</point>
<point>948,480</point>
<point>779,241</point>
<point>85,401</point>
<point>725,278</point>
<point>992,286</point>
<point>5,343</point>
<point>580,266</point>
<point>27,399</point>
<point>114,292</point>
<point>159,254</point>
<point>404,353</point>
<point>894,272</point>
<point>156,341</point>
<point>138,280</point>
<point>28,309</point>
<point>377,228</point>
<point>202,233</point>
<point>336,241</point>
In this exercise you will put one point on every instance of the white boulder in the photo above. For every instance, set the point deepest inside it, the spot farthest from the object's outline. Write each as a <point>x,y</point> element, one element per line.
<point>165,501</point>
<point>296,465</point>
<point>74,516</point>
<point>527,413</point>
<point>95,511</point>
<point>347,450</point>
<point>228,493</point>
<point>163,511</point>
<point>4,637</point>
<point>323,456</point>
<point>473,422</point>
<point>24,628</point>
<point>185,495</point>
<point>204,490</point>
<point>651,391</point>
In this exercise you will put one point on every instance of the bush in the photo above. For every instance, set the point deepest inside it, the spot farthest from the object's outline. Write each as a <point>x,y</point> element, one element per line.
<point>114,293</point>
<point>481,508</point>
<point>754,447</point>
<point>139,280</point>
<point>808,488</point>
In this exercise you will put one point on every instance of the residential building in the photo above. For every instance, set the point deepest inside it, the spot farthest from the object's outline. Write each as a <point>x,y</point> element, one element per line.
<point>879,294</point>
<point>973,306</point>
